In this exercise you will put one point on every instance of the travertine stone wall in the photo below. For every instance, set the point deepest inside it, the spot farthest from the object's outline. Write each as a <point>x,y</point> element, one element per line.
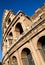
<point>23,38</point>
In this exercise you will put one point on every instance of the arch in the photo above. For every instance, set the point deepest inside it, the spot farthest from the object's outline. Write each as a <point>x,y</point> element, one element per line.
<point>8,62</point>
<point>14,61</point>
<point>19,28</point>
<point>11,34</point>
<point>9,20</point>
<point>27,57</point>
<point>41,46</point>
<point>10,38</point>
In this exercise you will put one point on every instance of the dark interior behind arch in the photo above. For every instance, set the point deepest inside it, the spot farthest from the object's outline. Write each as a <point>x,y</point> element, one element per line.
<point>19,28</point>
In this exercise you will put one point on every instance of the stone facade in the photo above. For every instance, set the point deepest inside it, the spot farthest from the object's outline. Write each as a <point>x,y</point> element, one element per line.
<point>23,38</point>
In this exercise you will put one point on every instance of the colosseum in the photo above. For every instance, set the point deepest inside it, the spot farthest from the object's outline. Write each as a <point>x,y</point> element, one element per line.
<point>23,38</point>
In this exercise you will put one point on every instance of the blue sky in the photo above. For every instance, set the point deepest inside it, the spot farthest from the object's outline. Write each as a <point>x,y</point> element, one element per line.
<point>27,6</point>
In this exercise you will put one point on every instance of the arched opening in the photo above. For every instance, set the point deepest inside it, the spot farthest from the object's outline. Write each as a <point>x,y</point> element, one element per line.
<point>10,38</point>
<point>10,34</point>
<point>14,61</point>
<point>9,20</point>
<point>27,57</point>
<point>7,23</point>
<point>19,28</point>
<point>8,62</point>
<point>41,46</point>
